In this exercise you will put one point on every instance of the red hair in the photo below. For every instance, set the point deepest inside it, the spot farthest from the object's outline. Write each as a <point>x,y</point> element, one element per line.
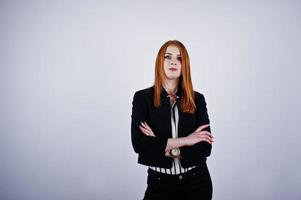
<point>187,101</point>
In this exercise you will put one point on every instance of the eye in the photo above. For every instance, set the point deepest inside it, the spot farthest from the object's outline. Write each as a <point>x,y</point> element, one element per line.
<point>180,58</point>
<point>167,57</point>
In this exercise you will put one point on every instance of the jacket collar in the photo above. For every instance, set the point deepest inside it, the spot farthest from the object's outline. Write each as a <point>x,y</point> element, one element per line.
<point>178,93</point>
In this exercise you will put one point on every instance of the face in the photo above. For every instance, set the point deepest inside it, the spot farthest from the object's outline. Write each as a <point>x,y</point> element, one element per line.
<point>172,62</point>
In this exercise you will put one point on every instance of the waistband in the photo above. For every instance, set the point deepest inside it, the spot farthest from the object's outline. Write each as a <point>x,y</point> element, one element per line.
<point>198,170</point>
<point>174,171</point>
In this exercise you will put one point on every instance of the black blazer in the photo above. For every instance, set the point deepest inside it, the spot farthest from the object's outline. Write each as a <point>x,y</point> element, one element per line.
<point>151,149</point>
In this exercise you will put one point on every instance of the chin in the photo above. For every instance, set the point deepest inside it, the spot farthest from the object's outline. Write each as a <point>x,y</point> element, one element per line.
<point>172,77</point>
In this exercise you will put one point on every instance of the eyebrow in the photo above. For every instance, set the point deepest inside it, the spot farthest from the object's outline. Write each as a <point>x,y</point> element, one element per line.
<point>171,54</point>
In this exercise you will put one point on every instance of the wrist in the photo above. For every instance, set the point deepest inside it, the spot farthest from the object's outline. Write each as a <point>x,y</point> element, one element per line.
<point>173,143</point>
<point>184,141</point>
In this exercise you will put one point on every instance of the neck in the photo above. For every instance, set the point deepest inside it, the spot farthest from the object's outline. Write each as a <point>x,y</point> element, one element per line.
<point>171,86</point>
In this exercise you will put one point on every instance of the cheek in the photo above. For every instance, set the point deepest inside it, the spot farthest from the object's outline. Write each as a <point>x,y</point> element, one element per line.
<point>165,66</point>
<point>180,68</point>
<point>166,63</point>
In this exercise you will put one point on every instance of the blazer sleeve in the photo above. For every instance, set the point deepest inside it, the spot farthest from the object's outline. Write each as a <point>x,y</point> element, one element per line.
<point>142,144</point>
<point>201,149</point>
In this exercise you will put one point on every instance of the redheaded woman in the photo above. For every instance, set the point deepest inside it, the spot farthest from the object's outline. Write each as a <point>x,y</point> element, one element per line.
<point>170,130</point>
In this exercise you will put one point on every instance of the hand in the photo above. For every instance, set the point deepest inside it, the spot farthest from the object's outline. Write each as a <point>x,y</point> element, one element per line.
<point>199,135</point>
<point>146,129</point>
<point>148,132</point>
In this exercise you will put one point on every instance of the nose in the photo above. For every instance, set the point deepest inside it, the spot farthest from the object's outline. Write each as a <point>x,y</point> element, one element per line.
<point>173,61</point>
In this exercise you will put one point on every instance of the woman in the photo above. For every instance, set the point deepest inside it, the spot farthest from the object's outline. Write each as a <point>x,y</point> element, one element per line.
<point>170,130</point>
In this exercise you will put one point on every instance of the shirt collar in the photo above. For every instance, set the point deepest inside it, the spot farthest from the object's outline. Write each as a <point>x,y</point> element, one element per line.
<point>178,92</point>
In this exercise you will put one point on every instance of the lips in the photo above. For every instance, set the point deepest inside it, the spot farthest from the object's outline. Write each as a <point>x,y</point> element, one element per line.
<point>172,69</point>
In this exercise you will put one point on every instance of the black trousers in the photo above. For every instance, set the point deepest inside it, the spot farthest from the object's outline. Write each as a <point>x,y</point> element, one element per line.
<point>195,184</point>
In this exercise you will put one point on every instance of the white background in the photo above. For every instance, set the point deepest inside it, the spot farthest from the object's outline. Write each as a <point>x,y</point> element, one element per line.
<point>69,70</point>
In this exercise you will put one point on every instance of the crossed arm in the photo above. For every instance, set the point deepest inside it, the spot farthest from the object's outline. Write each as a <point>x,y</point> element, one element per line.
<point>144,141</point>
<point>172,143</point>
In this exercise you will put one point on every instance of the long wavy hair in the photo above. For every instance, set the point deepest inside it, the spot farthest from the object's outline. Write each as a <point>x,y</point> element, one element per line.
<point>187,103</point>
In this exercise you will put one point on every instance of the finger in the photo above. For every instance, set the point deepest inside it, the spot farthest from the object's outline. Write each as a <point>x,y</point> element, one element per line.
<point>142,123</point>
<point>167,153</point>
<point>145,131</point>
<point>205,133</point>
<point>146,126</point>
<point>208,134</point>
<point>208,137</point>
<point>152,134</point>
<point>204,137</point>
<point>208,140</point>
<point>202,127</point>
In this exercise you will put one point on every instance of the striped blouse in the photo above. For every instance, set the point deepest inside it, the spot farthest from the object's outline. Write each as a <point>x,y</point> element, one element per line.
<point>176,164</point>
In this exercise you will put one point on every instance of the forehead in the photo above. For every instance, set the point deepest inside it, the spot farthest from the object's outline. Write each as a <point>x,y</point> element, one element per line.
<point>173,49</point>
